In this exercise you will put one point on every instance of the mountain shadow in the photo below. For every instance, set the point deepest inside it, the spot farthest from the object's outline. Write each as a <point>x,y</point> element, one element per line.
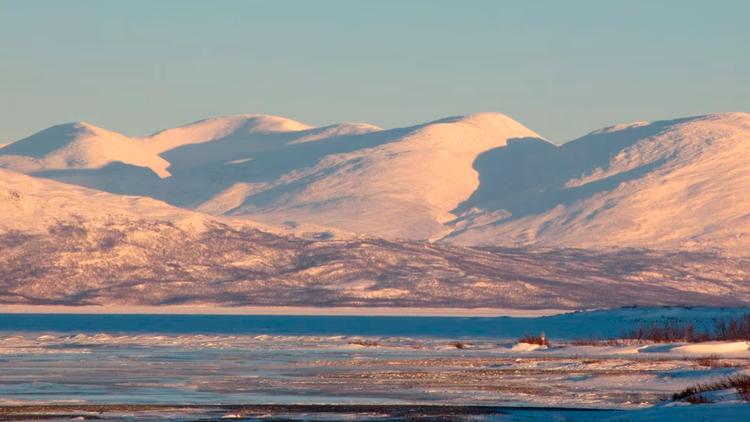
<point>528,176</point>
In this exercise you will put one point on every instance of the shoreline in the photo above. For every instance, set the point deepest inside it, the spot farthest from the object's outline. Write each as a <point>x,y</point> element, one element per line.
<point>291,411</point>
<point>281,311</point>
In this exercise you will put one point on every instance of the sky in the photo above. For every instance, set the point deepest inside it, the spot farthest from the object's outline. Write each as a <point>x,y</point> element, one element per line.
<point>562,68</point>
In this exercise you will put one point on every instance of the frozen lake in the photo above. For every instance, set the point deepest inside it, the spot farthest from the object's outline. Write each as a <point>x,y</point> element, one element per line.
<point>233,360</point>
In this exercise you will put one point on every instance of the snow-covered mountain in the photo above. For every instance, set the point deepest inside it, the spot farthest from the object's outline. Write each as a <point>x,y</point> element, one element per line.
<point>78,146</point>
<point>399,183</point>
<point>679,184</point>
<point>67,245</point>
<point>478,179</point>
<point>482,179</point>
<point>32,205</point>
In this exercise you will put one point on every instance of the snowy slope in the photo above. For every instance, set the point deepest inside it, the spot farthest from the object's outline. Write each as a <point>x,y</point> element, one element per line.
<point>33,205</point>
<point>399,183</point>
<point>672,185</point>
<point>356,177</point>
<point>63,244</point>
<point>481,179</point>
<point>77,146</point>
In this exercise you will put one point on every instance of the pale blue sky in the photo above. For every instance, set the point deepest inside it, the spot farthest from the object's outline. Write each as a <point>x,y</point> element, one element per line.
<point>560,67</point>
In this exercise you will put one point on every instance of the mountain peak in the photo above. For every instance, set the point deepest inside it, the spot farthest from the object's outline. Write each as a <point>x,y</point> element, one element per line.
<point>729,115</point>
<point>717,120</point>
<point>489,128</point>
<point>266,123</point>
<point>53,138</point>
<point>84,125</point>
<point>485,117</point>
<point>81,127</point>
<point>77,145</point>
<point>220,127</point>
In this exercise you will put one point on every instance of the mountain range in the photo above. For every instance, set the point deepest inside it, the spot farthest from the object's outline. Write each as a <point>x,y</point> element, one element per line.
<point>473,211</point>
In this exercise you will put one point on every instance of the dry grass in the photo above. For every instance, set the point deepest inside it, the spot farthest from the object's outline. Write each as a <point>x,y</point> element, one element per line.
<point>597,342</point>
<point>714,361</point>
<point>710,361</point>
<point>698,399</point>
<point>365,343</point>
<point>741,383</point>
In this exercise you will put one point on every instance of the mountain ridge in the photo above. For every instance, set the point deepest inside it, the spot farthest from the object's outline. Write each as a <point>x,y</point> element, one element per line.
<point>637,214</point>
<point>480,179</point>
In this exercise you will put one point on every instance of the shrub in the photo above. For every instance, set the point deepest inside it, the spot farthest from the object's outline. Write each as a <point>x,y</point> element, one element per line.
<point>743,387</point>
<point>534,339</point>
<point>673,331</point>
